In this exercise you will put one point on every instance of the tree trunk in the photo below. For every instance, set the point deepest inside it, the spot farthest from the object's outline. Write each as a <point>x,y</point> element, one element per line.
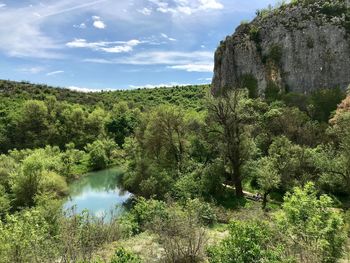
<point>264,201</point>
<point>237,181</point>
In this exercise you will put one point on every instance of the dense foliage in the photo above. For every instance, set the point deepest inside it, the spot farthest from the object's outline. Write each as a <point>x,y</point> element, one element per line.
<point>188,157</point>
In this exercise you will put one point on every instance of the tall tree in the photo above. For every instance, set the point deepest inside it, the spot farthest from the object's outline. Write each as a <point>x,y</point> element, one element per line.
<point>232,116</point>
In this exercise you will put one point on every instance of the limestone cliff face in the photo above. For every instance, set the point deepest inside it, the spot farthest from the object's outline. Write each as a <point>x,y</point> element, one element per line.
<point>297,47</point>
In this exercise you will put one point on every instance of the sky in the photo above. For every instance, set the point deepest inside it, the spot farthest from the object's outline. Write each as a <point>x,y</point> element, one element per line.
<point>114,44</point>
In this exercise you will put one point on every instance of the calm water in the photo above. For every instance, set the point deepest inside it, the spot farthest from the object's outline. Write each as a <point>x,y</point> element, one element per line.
<point>98,192</point>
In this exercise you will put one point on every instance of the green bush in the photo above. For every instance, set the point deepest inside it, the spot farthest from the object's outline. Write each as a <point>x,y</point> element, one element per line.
<point>101,153</point>
<point>203,211</point>
<point>247,242</point>
<point>313,229</point>
<point>145,211</point>
<point>123,256</point>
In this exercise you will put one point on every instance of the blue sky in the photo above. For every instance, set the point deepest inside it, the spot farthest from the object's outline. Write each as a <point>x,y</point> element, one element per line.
<point>115,44</point>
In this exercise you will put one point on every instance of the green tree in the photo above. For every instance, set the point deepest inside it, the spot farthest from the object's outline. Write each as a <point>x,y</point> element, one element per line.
<point>165,137</point>
<point>313,229</point>
<point>36,176</point>
<point>122,123</point>
<point>232,116</point>
<point>101,153</point>
<point>32,125</point>
<point>335,158</point>
<point>267,177</point>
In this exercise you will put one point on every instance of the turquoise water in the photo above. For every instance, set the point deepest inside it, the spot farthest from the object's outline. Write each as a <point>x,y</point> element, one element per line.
<point>97,192</point>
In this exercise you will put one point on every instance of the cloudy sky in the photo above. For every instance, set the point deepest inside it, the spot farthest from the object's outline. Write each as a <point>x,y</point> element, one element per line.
<point>110,44</point>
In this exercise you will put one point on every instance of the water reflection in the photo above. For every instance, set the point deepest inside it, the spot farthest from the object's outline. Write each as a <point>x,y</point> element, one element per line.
<point>97,192</point>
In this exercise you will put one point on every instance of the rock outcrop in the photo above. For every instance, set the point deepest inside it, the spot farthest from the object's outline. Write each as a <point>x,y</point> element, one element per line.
<point>298,47</point>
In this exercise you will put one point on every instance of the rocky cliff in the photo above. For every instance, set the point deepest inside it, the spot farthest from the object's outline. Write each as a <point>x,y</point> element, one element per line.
<point>298,47</point>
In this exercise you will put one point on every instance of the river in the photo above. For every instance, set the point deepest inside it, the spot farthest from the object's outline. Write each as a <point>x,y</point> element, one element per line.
<point>97,192</point>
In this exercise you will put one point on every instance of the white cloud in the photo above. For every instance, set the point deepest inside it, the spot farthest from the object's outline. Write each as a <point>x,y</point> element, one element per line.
<point>167,37</point>
<point>98,23</point>
<point>109,47</point>
<point>30,31</point>
<point>186,7</point>
<point>81,26</point>
<point>174,58</point>
<point>2,5</point>
<point>152,86</point>
<point>146,11</point>
<point>21,28</point>
<point>205,79</point>
<point>195,67</point>
<point>126,47</point>
<point>54,73</point>
<point>197,61</point>
<point>86,90</point>
<point>32,70</point>
<point>210,4</point>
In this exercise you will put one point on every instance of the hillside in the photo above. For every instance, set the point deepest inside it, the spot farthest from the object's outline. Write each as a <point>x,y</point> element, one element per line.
<point>298,47</point>
<point>186,96</point>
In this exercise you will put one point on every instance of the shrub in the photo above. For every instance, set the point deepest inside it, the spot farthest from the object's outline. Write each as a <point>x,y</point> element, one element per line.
<point>202,210</point>
<point>123,256</point>
<point>145,211</point>
<point>181,236</point>
<point>247,242</point>
<point>314,231</point>
<point>25,237</point>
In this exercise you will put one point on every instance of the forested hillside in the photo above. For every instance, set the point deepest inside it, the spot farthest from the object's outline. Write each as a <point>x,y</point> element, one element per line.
<point>188,158</point>
<point>37,115</point>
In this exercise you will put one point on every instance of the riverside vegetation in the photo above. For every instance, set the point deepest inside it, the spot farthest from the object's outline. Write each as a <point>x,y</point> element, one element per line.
<point>178,156</point>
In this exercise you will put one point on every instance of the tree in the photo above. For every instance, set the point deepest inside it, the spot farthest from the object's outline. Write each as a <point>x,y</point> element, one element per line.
<point>335,158</point>
<point>313,229</point>
<point>37,176</point>
<point>294,163</point>
<point>100,153</point>
<point>267,177</point>
<point>122,122</point>
<point>165,137</point>
<point>158,153</point>
<point>247,242</point>
<point>74,126</point>
<point>232,116</point>
<point>32,125</point>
